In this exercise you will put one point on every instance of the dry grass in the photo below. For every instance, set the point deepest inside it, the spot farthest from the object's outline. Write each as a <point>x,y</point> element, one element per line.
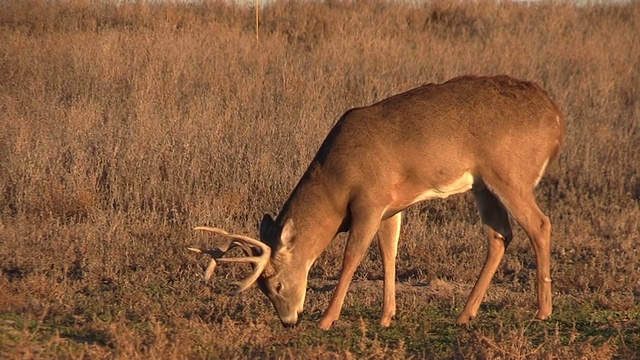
<point>122,127</point>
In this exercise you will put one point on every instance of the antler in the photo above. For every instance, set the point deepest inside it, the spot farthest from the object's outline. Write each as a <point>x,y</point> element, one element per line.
<point>245,243</point>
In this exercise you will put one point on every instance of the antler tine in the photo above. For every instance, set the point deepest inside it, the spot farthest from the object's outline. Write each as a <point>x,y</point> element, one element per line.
<point>260,262</point>
<point>212,263</point>
<point>226,247</point>
<point>247,239</point>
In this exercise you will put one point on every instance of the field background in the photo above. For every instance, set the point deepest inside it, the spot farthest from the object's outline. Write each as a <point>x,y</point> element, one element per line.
<point>123,127</point>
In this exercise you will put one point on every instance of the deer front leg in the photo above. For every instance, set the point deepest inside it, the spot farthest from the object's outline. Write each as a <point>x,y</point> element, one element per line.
<point>388,236</point>
<point>363,229</point>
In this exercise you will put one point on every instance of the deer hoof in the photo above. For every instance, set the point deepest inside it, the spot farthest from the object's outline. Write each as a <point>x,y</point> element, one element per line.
<point>325,323</point>
<point>385,321</point>
<point>464,318</point>
<point>543,315</point>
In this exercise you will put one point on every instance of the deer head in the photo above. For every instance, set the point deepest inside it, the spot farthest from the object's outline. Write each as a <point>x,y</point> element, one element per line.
<point>268,256</point>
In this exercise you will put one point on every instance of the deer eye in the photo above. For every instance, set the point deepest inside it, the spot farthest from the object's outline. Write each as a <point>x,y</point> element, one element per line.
<point>278,287</point>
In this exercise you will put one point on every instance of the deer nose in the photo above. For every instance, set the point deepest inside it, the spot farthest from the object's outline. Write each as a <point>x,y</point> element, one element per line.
<point>292,321</point>
<point>289,325</point>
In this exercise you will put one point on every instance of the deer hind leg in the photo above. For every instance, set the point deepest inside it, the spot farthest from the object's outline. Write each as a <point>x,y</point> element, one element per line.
<point>536,224</point>
<point>495,218</point>
<point>364,225</point>
<point>388,236</point>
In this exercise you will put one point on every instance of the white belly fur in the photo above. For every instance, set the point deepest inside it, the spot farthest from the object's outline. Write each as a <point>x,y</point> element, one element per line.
<point>463,184</point>
<point>402,200</point>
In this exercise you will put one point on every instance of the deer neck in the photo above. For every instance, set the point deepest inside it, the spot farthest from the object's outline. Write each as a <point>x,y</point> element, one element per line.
<point>317,210</point>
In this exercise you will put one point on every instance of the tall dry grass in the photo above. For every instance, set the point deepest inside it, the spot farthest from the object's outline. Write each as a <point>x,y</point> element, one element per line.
<point>123,126</point>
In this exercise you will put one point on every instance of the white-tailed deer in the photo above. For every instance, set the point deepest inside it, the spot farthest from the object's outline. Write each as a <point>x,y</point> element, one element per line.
<point>494,136</point>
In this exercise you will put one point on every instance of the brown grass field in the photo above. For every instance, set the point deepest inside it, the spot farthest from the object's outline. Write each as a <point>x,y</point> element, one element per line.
<point>124,126</point>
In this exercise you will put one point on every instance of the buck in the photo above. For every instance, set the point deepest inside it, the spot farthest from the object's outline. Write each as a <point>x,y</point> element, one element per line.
<point>494,136</point>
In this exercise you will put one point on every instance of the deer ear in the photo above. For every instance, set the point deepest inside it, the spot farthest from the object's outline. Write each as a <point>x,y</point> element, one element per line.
<point>287,234</point>
<point>265,227</point>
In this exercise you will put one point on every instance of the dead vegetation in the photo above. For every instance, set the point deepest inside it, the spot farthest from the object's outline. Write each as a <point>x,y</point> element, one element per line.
<point>124,126</point>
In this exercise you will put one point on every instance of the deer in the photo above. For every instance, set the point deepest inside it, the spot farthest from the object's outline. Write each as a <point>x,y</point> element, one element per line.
<point>493,135</point>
